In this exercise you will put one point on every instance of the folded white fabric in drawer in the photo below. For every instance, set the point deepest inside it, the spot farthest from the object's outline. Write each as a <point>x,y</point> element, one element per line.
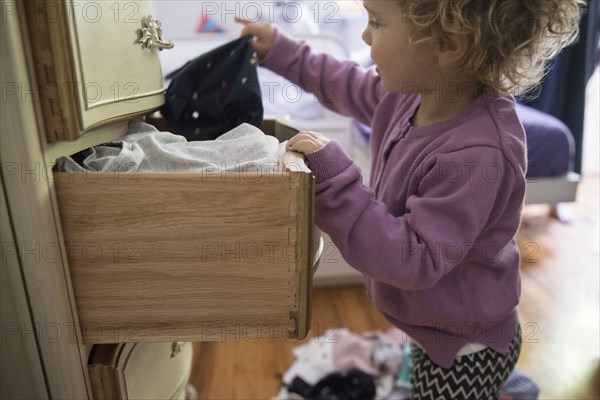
<point>244,148</point>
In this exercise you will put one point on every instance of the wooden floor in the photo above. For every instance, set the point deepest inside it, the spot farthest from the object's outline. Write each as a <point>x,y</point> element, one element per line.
<point>559,312</point>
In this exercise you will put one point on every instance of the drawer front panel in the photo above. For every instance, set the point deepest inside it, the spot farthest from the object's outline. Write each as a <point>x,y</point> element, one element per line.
<point>138,371</point>
<point>114,69</point>
<point>152,371</point>
<point>90,67</point>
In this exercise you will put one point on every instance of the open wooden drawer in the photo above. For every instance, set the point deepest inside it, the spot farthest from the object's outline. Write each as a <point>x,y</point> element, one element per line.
<point>191,256</point>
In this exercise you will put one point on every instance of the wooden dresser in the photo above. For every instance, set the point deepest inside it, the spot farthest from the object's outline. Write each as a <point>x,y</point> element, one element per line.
<point>103,259</point>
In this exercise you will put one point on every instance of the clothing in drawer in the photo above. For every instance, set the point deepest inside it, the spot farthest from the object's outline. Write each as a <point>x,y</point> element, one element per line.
<point>190,256</point>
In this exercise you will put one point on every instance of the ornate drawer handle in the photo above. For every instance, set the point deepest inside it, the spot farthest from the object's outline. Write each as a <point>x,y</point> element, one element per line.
<point>176,348</point>
<point>152,35</point>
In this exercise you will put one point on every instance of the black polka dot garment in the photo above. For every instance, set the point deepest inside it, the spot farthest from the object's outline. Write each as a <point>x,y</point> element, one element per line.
<point>215,92</point>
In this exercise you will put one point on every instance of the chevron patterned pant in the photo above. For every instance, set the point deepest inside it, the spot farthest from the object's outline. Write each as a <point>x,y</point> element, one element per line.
<point>477,376</point>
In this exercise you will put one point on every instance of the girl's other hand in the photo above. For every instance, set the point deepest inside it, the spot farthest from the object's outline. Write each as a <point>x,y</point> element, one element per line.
<point>264,35</point>
<point>307,142</point>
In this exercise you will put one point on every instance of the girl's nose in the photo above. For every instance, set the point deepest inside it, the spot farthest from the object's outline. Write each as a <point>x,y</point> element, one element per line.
<point>366,36</point>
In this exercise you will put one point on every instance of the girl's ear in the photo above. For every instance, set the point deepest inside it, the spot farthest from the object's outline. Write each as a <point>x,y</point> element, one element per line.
<point>451,49</point>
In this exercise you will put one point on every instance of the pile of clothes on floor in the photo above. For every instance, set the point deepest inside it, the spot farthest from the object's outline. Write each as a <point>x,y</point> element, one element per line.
<point>374,365</point>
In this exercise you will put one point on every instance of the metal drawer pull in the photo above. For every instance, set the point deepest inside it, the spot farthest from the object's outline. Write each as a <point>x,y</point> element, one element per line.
<point>176,348</point>
<point>152,35</point>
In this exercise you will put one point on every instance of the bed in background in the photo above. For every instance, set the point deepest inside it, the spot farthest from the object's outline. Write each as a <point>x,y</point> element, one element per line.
<point>550,158</point>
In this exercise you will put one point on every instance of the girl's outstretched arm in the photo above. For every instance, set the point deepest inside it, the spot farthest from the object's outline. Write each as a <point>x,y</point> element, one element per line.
<point>341,86</point>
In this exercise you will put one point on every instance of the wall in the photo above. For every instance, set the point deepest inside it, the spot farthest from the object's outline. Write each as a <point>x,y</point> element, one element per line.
<point>591,143</point>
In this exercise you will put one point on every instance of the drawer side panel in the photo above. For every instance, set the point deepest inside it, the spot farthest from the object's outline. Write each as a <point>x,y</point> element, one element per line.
<point>182,256</point>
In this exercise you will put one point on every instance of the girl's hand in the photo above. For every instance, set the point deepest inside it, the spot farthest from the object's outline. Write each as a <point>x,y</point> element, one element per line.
<point>307,142</point>
<point>263,33</point>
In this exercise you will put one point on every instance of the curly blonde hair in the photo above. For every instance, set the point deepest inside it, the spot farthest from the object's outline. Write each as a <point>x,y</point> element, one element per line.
<point>510,41</point>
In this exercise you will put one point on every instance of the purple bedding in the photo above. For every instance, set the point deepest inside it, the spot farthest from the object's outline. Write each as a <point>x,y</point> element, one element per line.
<point>550,144</point>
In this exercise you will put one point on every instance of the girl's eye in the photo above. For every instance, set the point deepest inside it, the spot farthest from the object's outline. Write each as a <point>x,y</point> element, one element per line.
<point>373,23</point>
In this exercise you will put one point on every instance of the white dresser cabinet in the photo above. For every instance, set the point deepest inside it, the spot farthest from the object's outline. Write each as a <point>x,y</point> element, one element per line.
<point>159,269</point>
<point>74,73</point>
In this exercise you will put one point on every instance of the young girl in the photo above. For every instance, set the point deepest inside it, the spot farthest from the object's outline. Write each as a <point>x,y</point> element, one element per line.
<point>434,234</point>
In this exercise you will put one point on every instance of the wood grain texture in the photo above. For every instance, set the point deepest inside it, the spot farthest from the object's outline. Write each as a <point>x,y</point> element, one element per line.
<point>160,256</point>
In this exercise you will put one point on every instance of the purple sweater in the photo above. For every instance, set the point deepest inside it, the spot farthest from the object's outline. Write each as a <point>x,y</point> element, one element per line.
<point>434,236</point>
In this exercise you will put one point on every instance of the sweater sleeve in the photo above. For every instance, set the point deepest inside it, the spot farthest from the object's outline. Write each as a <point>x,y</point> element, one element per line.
<point>442,222</point>
<point>342,86</point>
